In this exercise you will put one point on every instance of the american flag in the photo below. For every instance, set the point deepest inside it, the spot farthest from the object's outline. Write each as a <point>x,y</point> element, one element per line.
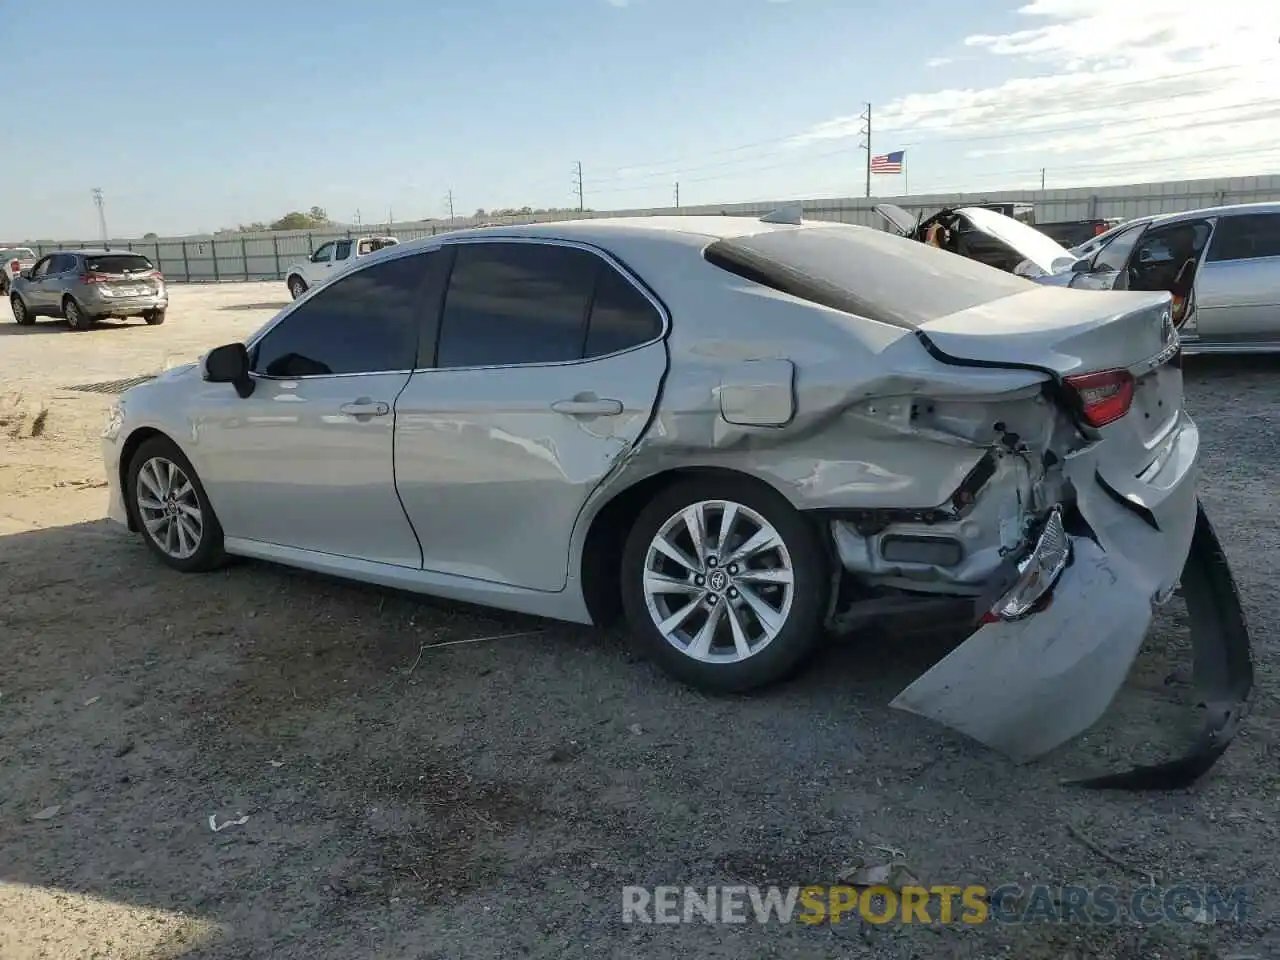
<point>888,162</point>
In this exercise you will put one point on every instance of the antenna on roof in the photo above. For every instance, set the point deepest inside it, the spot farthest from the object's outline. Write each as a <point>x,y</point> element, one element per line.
<point>790,213</point>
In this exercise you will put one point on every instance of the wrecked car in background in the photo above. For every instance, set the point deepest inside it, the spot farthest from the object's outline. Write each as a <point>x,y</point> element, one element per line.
<point>737,433</point>
<point>983,234</point>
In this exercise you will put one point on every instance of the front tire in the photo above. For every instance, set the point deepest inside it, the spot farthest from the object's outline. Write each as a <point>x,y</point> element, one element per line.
<point>154,317</point>
<point>170,508</point>
<point>21,314</point>
<point>725,584</point>
<point>297,287</point>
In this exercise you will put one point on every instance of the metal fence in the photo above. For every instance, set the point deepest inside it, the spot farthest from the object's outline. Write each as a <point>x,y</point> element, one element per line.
<point>267,256</point>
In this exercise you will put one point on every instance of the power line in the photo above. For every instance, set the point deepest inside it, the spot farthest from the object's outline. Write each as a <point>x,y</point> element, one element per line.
<point>631,167</point>
<point>1075,128</point>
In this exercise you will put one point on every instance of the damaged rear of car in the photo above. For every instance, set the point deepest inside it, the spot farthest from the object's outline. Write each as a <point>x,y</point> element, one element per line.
<point>1071,511</point>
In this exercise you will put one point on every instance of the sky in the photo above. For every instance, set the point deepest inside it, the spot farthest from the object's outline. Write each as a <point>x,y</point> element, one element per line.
<point>193,117</point>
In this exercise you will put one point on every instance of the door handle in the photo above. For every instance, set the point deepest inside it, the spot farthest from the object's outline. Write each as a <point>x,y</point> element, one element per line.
<point>588,407</point>
<point>364,407</point>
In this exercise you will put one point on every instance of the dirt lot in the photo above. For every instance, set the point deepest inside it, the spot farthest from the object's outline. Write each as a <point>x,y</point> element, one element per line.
<point>491,799</point>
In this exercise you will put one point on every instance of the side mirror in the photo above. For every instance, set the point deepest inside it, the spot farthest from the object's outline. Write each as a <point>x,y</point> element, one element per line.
<point>229,364</point>
<point>1080,266</point>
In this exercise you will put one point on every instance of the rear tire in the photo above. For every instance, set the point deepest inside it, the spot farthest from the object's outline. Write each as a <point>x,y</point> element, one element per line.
<point>765,603</point>
<point>170,508</point>
<point>154,317</point>
<point>75,316</point>
<point>297,287</point>
<point>20,312</point>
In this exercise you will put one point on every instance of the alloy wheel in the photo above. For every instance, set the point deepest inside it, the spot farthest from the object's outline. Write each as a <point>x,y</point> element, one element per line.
<point>169,508</point>
<point>718,581</point>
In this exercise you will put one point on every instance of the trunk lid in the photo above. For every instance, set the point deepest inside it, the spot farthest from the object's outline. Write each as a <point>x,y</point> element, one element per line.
<point>1070,333</point>
<point>124,274</point>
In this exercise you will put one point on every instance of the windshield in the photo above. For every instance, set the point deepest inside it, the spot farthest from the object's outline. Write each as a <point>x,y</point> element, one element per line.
<point>119,263</point>
<point>1093,243</point>
<point>1028,241</point>
<point>18,253</point>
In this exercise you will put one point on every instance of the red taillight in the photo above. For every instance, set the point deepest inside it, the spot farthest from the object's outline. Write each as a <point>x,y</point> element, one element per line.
<point>155,275</point>
<point>93,278</point>
<point>15,266</point>
<point>1099,229</point>
<point>1105,396</point>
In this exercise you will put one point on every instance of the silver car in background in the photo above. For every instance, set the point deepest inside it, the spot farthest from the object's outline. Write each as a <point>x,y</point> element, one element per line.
<point>736,432</point>
<point>1221,266</point>
<point>85,286</point>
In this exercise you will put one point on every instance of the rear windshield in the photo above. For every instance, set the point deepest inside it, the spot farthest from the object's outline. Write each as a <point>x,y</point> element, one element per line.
<point>867,272</point>
<point>119,263</point>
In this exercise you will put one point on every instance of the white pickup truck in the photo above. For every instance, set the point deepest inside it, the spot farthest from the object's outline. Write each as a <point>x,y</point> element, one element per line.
<point>13,260</point>
<point>331,259</point>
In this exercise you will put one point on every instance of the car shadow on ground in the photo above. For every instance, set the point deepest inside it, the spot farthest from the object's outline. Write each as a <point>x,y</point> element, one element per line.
<point>403,791</point>
<point>60,326</point>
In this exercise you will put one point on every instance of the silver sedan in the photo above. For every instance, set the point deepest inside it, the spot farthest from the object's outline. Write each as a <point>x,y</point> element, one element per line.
<point>738,433</point>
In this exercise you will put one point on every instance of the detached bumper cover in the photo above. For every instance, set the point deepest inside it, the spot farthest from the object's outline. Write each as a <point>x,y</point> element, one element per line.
<point>1025,686</point>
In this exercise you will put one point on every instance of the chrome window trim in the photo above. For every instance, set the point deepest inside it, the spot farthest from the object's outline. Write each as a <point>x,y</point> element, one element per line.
<point>438,244</point>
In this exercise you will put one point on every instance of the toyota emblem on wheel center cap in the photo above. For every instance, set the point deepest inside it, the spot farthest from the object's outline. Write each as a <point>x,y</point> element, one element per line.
<point>718,580</point>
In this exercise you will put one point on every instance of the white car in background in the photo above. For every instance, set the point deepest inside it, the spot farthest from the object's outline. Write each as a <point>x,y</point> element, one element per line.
<point>330,259</point>
<point>13,260</point>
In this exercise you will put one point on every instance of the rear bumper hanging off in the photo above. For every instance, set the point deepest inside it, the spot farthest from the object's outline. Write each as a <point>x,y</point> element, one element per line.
<point>1026,682</point>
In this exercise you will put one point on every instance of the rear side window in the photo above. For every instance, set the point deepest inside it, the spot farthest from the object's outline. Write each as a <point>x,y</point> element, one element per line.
<point>516,303</point>
<point>621,316</point>
<point>865,272</point>
<point>365,322</point>
<point>343,250</point>
<point>119,263</point>
<point>1246,237</point>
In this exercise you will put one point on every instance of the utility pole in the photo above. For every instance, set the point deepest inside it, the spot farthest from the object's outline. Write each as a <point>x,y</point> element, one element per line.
<point>577,183</point>
<point>448,198</point>
<point>358,220</point>
<point>866,132</point>
<point>677,194</point>
<point>1042,178</point>
<point>102,216</point>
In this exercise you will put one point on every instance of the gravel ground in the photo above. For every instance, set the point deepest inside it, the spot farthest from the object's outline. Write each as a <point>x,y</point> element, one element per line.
<point>492,799</point>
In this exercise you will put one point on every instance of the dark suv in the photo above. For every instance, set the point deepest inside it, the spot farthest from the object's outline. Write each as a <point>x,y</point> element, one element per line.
<point>84,286</point>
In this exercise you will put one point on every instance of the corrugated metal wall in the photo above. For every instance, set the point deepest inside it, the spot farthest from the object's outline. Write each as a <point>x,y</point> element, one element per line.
<point>262,256</point>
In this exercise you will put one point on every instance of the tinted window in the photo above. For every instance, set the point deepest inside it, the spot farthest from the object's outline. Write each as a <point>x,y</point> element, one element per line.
<point>342,250</point>
<point>621,316</point>
<point>1115,254</point>
<point>119,263</point>
<point>62,263</point>
<point>324,253</point>
<point>1247,237</point>
<point>516,303</point>
<point>364,323</point>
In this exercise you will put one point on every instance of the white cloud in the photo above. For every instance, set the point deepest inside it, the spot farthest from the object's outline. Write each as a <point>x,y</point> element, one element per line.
<point>1105,90</point>
<point>937,62</point>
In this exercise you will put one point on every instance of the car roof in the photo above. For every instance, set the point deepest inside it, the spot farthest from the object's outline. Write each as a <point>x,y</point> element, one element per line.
<point>601,230</point>
<point>1233,209</point>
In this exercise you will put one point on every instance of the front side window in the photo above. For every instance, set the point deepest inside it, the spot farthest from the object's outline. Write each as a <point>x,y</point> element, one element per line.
<point>366,322</point>
<point>323,254</point>
<point>516,303</point>
<point>41,269</point>
<point>1115,254</point>
<point>1247,237</point>
<point>342,250</point>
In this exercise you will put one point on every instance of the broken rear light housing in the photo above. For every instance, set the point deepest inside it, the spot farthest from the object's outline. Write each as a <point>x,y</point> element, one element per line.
<point>1038,573</point>
<point>1104,396</point>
